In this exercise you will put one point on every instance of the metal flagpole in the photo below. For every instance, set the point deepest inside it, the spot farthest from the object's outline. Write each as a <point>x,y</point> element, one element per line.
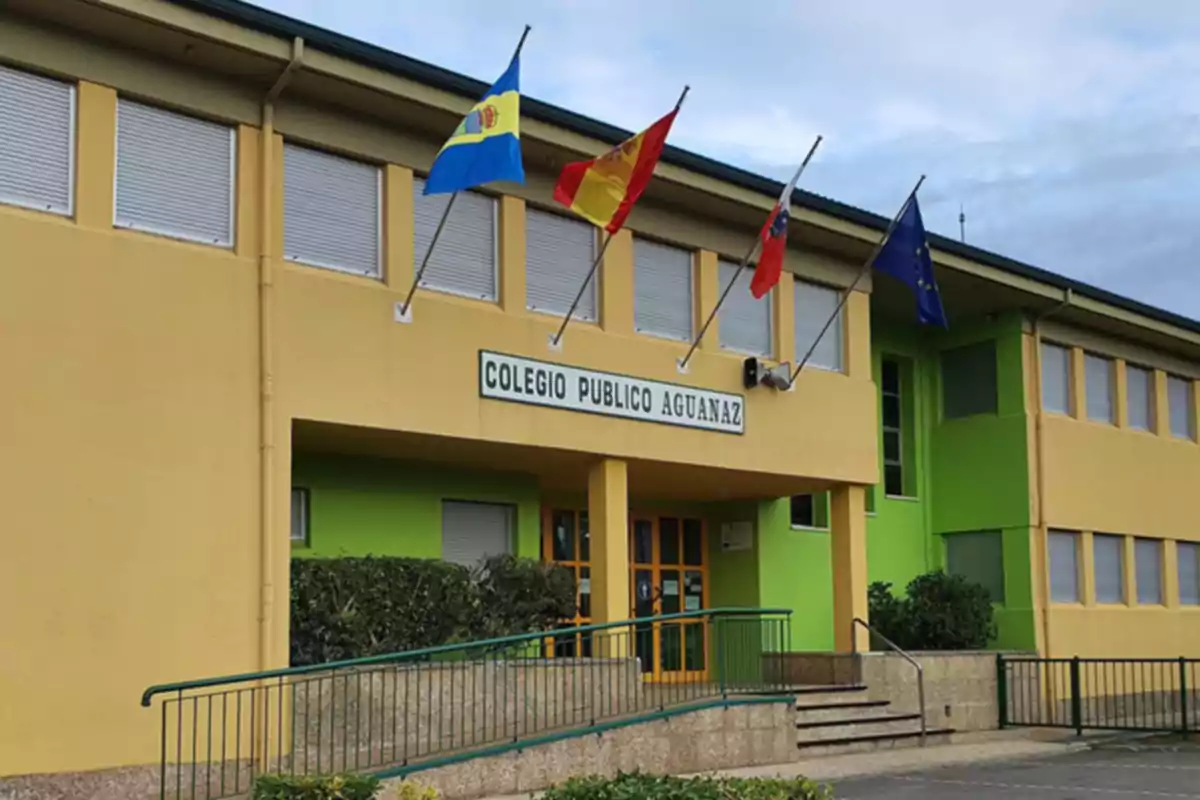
<point>866,267</point>
<point>554,340</point>
<point>437,233</point>
<point>683,362</point>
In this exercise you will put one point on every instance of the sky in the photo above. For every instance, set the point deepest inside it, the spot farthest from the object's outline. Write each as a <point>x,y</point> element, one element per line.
<point>1068,131</point>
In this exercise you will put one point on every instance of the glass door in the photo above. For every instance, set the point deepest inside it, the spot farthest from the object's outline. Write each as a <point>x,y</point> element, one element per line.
<point>566,541</point>
<point>669,576</point>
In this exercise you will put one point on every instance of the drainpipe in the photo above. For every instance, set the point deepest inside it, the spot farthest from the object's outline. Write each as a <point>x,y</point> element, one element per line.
<point>266,359</point>
<point>1040,456</point>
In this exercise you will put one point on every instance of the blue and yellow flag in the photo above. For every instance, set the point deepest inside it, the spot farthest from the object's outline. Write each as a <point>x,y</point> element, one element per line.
<point>486,146</point>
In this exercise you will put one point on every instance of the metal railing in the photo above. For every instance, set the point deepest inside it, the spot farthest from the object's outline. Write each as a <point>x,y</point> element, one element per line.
<point>1124,694</point>
<point>854,625</point>
<point>381,714</point>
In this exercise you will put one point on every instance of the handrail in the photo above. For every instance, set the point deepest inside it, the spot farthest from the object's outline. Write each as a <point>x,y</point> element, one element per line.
<point>920,670</point>
<point>409,655</point>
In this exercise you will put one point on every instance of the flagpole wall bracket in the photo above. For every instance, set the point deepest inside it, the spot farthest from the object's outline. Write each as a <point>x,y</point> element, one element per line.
<point>401,314</point>
<point>681,366</point>
<point>554,343</point>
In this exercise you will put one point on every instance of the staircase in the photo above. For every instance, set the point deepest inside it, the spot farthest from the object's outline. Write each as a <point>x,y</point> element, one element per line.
<point>840,719</point>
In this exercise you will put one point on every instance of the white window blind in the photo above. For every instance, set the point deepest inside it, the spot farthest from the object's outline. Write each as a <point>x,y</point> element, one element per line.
<point>1148,563</point>
<point>330,211</point>
<point>1139,392</point>
<point>1109,558</point>
<point>1056,379</point>
<point>1098,374</point>
<point>662,290</point>
<point>472,532</point>
<point>1188,556</point>
<point>1179,404</point>
<point>813,306</point>
<point>174,174</point>
<point>745,323</point>
<point>37,141</point>
<point>558,254</point>
<point>464,261</point>
<point>1064,567</point>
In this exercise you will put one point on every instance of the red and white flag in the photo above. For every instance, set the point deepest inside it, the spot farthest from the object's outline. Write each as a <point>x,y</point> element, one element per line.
<point>774,242</point>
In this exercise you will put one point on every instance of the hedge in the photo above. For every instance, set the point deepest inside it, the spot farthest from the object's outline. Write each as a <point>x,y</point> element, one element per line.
<point>346,608</point>
<point>642,786</point>
<point>321,787</point>
<point>937,612</point>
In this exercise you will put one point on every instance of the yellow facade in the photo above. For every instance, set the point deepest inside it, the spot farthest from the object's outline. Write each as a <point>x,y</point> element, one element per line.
<point>154,387</point>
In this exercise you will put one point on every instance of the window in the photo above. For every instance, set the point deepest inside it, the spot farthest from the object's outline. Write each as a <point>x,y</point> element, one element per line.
<point>464,261</point>
<point>300,509</point>
<point>174,174</point>
<point>662,290</point>
<point>745,323</point>
<point>979,557</point>
<point>1179,403</point>
<point>331,211</point>
<point>810,511</point>
<point>1139,391</point>
<point>1188,556</point>
<point>37,141</point>
<point>1148,563</point>
<point>969,380</point>
<point>558,255</point>
<point>1064,567</point>
<point>814,305</point>
<point>1098,372</point>
<point>1056,379</point>
<point>1109,558</point>
<point>896,429</point>
<point>472,532</point>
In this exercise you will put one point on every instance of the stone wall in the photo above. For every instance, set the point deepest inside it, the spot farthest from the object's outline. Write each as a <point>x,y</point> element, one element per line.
<point>698,741</point>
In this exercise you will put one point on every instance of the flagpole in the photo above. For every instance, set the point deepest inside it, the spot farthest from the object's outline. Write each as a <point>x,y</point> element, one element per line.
<point>445,216</point>
<point>683,362</point>
<point>866,267</point>
<point>554,340</point>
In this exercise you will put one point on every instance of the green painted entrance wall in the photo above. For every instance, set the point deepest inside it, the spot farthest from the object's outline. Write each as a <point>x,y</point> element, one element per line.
<point>366,506</point>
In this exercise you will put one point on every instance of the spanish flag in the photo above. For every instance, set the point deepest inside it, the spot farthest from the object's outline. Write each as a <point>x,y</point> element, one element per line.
<point>604,189</point>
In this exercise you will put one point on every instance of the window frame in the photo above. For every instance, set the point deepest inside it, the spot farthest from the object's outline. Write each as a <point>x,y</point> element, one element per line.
<point>1090,357</point>
<point>820,509</point>
<point>767,300</point>
<point>595,282</point>
<point>305,540</point>
<point>494,200</point>
<point>1043,345</point>
<point>1123,596</point>
<point>1151,399</point>
<point>692,285</point>
<point>127,225</point>
<point>996,535</point>
<point>1077,562</point>
<point>942,383</point>
<point>1138,543</point>
<point>380,256</point>
<point>1194,549</point>
<point>838,324</point>
<point>1188,409</point>
<point>884,429</point>
<point>72,148</point>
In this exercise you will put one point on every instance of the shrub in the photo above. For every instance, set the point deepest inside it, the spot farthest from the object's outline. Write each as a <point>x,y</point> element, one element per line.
<point>654,787</point>
<point>937,612</point>
<point>320,787</point>
<point>345,608</point>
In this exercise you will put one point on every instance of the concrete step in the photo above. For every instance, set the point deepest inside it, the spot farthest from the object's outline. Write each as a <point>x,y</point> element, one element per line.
<point>847,710</point>
<point>807,696</point>
<point>843,728</point>
<point>872,742</point>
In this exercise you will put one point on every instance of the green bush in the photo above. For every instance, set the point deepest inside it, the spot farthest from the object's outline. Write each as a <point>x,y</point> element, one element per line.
<point>322,787</point>
<point>345,608</point>
<point>640,786</point>
<point>937,612</point>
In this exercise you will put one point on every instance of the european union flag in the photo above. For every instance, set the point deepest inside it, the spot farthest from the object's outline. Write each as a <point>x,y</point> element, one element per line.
<point>486,145</point>
<point>905,255</point>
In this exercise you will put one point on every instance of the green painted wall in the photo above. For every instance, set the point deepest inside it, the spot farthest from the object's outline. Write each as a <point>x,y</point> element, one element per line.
<point>794,572</point>
<point>366,506</point>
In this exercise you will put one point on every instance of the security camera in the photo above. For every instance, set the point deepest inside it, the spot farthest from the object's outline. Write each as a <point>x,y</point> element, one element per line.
<point>756,373</point>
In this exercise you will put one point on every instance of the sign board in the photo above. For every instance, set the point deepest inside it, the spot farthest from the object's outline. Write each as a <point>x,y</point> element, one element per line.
<point>541,383</point>
<point>737,536</point>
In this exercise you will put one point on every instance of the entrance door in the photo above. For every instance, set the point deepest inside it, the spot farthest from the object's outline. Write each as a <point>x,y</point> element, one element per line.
<point>670,576</point>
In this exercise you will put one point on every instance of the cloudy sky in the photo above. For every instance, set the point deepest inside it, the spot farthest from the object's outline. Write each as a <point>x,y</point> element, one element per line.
<point>1068,130</point>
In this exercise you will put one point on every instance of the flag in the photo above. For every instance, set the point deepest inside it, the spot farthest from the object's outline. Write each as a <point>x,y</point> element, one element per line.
<point>905,255</point>
<point>774,242</point>
<point>603,190</point>
<point>486,145</point>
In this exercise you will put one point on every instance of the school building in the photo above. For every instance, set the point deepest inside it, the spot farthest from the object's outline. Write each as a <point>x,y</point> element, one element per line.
<point>210,214</point>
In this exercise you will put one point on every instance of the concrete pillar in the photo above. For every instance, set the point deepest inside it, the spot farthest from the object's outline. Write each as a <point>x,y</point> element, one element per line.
<point>615,289</point>
<point>848,533</point>
<point>608,521</point>
<point>708,290</point>
<point>95,155</point>
<point>512,254</point>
